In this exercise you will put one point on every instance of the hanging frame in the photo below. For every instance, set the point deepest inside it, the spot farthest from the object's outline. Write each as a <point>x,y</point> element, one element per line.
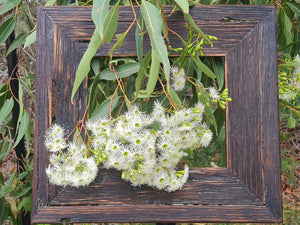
<point>247,190</point>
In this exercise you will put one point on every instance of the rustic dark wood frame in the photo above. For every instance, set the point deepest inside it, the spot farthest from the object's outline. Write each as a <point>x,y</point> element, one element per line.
<point>248,190</point>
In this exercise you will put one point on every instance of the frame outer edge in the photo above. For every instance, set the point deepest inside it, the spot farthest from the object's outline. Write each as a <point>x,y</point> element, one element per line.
<point>42,108</point>
<point>270,129</point>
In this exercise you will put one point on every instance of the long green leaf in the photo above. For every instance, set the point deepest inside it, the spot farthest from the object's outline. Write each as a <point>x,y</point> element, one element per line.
<point>154,72</point>
<point>10,4</point>
<point>139,39</point>
<point>153,23</point>
<point>189,66</point>
<point>6,29</point>
<point>17,42</point>
<point>120,39</point>
<point>22,192</point>
<point>110,23</point>
<point>6,109</point>
<point>5,148</point>
<point>183,5</point>
<point>104,109</point>
<point>142,71</point>
<point>99,12</point>
<point>203,67</point>
<point>174,96</point>
<point>284,25</point>
<point>21,105</point>
<point>218,67</point>
<point>295,7</point>
<point>31,38</point>
<point>50,3</point>
<point>84,65</point>
<point>122,71</point>
<point>22,128</point>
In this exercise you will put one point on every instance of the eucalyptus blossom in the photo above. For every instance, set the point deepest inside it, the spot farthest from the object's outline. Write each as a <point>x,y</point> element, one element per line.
<point>148,149</point>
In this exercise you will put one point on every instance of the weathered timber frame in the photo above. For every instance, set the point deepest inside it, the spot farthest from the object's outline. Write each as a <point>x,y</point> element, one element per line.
<point>248,190</point>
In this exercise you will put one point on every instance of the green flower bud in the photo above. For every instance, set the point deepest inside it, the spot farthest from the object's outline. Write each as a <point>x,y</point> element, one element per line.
<point>123,175</point>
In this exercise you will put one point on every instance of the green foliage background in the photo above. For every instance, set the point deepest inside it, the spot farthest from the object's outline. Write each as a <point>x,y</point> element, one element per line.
<point>18,16</point>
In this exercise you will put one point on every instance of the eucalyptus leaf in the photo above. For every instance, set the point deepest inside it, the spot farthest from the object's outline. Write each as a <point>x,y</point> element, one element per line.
<point>93,91</point>
<point>9,5</point>
<point>50,3</point>
<point>84,65</point>
<point>142,71</point>
<point>99,12</point>
<point>122,71</point>
<point>31,38</point>
<point>22,192</point>
<point>22,128</point>
<point>17,42</point>
<point>154,72</point>
<point>174,96</point>
<point>6,109</point>
<point>105,108</point>
<point>209,115</point>
<point>203,67</point>
<point>95,65</point>
<point>139,40</point>
<point>7,28</point>
<point>153,23</point>
<point>284,25</point>
<point>5,148</point>
<point>120,39</point>
<point>189,66</point>
<point>183,5</point>
<point>110,23</point>
<point>295,7</point>
<point>21,105</point>
<point>218,67</point>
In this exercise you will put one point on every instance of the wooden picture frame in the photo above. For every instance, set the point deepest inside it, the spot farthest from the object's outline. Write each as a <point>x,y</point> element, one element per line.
<point>248,190</point>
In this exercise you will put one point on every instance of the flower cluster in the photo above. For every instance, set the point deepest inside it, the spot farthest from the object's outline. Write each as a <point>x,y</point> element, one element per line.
<point>217,98</point>
<point>148,148</point>
<point>69,164</point>
<point>178,79</point>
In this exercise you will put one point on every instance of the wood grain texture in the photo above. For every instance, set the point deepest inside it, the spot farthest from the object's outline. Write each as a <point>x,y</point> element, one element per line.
<point>247,191</point>
<point>153,214</point>
<point>205,187</point>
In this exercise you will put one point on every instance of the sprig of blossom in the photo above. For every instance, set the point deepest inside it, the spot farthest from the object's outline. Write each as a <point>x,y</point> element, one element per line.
<point>178,79</point>
<point>148,149</point>
<point>68,163</point>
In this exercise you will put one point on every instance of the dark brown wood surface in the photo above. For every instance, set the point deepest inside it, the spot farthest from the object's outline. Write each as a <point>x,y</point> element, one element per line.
<point>247,191</point>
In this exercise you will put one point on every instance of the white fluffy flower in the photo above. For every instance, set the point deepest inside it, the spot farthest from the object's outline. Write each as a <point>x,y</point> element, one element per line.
<point>206,138</point>
<point>214,93</point>
<point>54,139</point>
<point>178,78</point>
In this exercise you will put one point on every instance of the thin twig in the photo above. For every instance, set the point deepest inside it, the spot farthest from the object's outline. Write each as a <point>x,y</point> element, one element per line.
<point>168,97</point>
<point>112,68</point>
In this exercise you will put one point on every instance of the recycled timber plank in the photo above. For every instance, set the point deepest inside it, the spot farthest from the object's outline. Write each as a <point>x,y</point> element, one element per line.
<point>248,190</point>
